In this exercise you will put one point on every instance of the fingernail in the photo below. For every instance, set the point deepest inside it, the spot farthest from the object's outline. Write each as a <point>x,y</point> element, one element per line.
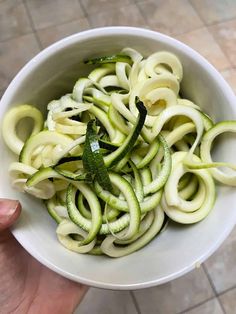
<point>9,212</point>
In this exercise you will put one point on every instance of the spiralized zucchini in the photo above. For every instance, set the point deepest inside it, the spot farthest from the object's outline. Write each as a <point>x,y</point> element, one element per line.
<point>119,155</point>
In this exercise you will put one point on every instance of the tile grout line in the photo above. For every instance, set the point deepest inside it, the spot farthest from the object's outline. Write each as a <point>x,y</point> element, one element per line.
<point>137,2</point>
<point>209,279</point>
<point>171,35</point>
<point>213,23</point>
<point>83,9</point>
<point>188,31</point>
<point>226,291</point>
<point>135,302</point>
<point>208,28</point>
<point>227,69</point>
<point>90,16</point>
<point>197,12</point>
<point>224,21</point>
<point>35,31</point>
<point>213,287</point>
<point>32,24</point>
<point>218,43</point>
<point>61,24</point>
<point>221,305</point>
<point>17,36</point>
<point>141,13</point>
<point>197,305</point>
<point>85,13</point>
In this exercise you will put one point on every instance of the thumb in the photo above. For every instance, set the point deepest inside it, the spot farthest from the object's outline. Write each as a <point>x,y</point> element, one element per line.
<point>9,212</point>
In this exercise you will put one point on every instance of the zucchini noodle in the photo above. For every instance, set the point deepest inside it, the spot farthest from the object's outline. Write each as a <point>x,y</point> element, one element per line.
<point>120,156</point>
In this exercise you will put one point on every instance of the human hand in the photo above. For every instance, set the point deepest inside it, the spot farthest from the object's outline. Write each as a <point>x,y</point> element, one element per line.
<point>26,285</point>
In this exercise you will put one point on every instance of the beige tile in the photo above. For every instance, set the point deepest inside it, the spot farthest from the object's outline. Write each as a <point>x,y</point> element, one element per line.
<point>170,16</point>
<point>14,54</point>
<point>99,301</point>
<point>94,6</point>
<point>14,20</point>
<point>49,35</point>
<point>175,296</point>
<point>212,11</point>
<point>129,16</point>
<point>209,307</point>
<point>228,300</point>
<point>53,12</point>
<point>230,77</point>
<point>202,41</point>
<point>225,34</point>
<point>221,266</point>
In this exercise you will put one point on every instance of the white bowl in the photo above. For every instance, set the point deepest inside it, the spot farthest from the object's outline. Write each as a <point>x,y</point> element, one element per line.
<point>177,250</point>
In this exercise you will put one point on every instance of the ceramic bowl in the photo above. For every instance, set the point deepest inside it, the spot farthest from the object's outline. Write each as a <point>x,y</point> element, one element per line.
<point>174,252</point>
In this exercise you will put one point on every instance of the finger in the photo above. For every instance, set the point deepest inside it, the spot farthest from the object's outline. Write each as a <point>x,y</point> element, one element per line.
<point>9,212</point>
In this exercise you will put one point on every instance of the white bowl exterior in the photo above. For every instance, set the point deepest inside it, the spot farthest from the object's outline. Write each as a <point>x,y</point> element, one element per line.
<point>177,250</point>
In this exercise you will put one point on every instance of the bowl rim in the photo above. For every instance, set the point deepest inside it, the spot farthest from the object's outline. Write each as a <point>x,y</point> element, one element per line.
<point>107,31</point>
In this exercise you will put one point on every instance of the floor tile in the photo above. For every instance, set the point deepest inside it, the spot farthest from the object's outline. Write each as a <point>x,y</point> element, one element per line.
<point>202,41</point>
<point>212,11</point>
<point>49,35</point>
<point>129,16</point>
<point>95,6</point>
<point>230,77</point>
<point>209,307</point>
<point>14,54</point>
<point>53,12</point>
<point>14,20</point>
<point>228,300</point>
<point>170,16</point>
<point>225,34</point>
<point>175,296</point>
<point>221,266</point>
<point>98,301</point>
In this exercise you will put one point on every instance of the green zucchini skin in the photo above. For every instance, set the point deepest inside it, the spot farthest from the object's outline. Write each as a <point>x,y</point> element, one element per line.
<point>42,174</point>
<point>77,218</point>
<point>92,158</point>
<point>109,59</point>
<point>112,159</point>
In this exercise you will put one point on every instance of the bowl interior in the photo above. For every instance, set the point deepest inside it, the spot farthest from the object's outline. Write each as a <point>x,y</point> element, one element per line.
<point>175,251</point>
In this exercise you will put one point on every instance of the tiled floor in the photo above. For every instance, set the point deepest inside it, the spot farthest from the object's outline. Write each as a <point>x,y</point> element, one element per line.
<point>209,26</point>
